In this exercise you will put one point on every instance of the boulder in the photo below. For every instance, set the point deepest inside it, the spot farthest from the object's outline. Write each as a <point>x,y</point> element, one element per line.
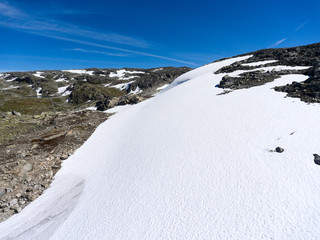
<point>279,150</point>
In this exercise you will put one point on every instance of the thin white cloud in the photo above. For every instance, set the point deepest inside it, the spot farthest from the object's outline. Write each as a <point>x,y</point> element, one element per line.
<point>114,48</point>
<point>55,27</point>
<point>9,11</point>
<point>277,43</point>
<point>301,26</point>
<point>71,33</point>
<point>98,52</point>
<point>28,57</point>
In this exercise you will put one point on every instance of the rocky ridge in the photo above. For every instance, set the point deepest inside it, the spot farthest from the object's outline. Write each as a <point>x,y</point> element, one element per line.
<point>251,73</point>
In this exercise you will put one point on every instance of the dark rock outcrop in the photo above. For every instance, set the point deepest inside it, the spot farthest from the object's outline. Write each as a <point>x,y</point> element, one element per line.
<point>308,91</point>
<point>83,92</point>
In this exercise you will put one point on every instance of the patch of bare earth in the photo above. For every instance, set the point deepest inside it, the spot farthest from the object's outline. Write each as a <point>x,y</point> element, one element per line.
<point>32,152</point>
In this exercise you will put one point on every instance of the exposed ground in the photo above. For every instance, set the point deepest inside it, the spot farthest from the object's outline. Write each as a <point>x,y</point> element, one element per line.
<point>43,119</point>
<point>32,149</point>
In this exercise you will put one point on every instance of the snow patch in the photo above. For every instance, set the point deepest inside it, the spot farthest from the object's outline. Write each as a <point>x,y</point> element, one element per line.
<point>136,91</point>
<point>122,72</point>
<point>61,79</point>
<point>157,69</point>
<point>79,71</point>
<point>91,108</point>
<point>163,87</point>
<point>253,64</point>
<point>38,90</point>
<point>10,87</point>
<point>4,75</point>
<point>66,93</point>
<point>122,86</point>
<point>38,74</point>
<point>268,69</point>
<point>11,80</point>
<point>62,89</point>
<point>206,70</point>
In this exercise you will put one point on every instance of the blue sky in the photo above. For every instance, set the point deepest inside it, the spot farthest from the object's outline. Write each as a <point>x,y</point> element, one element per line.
<point>70,34</point>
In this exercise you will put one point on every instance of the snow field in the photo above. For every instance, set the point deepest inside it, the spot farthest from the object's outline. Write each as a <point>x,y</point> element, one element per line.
<point>189,164</point>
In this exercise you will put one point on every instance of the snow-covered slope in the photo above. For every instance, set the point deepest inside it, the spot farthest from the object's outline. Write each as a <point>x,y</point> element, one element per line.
<point>189,164</point>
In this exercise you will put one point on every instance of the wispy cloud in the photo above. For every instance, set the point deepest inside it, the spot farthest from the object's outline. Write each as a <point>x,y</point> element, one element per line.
<point>296,30</point>
<point>18,20</point>
<point>98,52</point>
<point>9,11</point>
<point>301,25</point>
<point>28,57</point>
<point>277,43</point>
<point>55,27</point>
<point>98,45</point>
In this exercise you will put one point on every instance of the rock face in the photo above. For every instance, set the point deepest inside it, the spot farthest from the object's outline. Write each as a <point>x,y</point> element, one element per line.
<point>308,91</point>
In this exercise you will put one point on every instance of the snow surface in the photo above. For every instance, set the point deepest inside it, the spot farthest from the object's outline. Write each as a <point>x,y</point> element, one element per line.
<point>61,80</point>
<point>38,90</point>
<point>80,71</point>
<point>189,164</point>
<point>38,74</point>
<point>121,74</point>
<point>91,108</point>
<point>136,91</point>
<point>10,87</point>
<point>4,75</point>
<point>122,86</point>
<point>162,87</point>
<point>253,64</point>
<point>11,80</point>
<point>268,69</point>
<point>62,89</point>
<point>66,93</point>
<point>157,69</point>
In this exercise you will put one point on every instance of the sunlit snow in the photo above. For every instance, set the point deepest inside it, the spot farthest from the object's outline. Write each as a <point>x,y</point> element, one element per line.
<point>253,64</point>
<point>38,74</point>
<point>268,69</point>
<point>121,74</point>
<point>189,164</point>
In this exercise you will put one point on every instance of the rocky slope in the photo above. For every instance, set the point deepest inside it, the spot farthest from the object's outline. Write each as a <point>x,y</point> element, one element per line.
<point>269,64</point>
<point>76,89</point>
<point>43,119</point>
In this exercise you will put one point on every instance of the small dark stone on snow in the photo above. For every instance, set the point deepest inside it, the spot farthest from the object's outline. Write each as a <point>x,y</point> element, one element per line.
<point>279,150</point>
<point>316,159</point>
